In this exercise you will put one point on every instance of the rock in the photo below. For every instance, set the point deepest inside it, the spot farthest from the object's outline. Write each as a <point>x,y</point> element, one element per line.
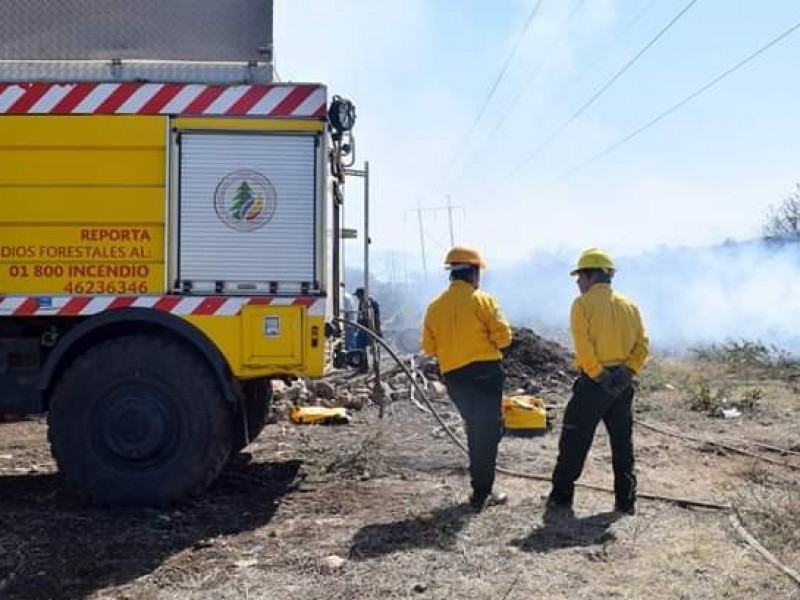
<point>246,563</point>
<point>344,398</point>
<point>294,391</point>
<point>331,564</point>
<point>281,410</point>
<point>420,587</point>
<point>532,388</point>
<point>325,390</point>
<point>279,387</point>
<point>437,390</point>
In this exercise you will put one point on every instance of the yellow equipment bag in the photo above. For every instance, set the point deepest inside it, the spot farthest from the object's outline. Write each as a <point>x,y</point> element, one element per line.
<point>305,415</point>
<point>524,416</point>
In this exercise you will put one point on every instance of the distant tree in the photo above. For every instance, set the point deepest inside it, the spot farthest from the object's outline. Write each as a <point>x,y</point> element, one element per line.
<point>783,220</point>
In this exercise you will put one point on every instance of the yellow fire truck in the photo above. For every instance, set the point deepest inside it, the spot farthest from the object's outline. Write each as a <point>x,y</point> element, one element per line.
<point>163,247</point>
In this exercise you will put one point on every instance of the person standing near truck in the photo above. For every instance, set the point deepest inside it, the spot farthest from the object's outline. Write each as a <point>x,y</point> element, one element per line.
<point>369,316</point>
<point>465,329</point>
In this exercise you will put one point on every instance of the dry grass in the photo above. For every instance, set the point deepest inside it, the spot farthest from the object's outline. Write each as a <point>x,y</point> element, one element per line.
<point>750,359</point>
<point>770,509</point>
<point>668,387</point>
<point>387,498</point>
<point>363,461</point>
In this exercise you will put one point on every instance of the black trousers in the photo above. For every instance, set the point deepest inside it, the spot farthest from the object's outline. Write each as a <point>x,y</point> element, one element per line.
<point>477,391</point>
<point>589,405</point>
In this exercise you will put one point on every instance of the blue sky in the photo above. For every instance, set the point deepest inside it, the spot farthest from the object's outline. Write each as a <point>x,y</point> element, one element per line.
<point>418,71</point>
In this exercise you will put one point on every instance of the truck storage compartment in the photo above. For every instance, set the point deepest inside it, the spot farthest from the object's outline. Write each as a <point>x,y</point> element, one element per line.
<point>272,334</point>
<point>247,216</point>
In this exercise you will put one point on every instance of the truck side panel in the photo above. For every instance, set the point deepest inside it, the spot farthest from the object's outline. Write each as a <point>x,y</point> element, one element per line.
<point>297,347</point>
<point>82,204</point>
<point>92,200</point>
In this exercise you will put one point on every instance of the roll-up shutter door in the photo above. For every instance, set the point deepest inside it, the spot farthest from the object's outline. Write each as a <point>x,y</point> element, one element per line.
<point>247,208</point>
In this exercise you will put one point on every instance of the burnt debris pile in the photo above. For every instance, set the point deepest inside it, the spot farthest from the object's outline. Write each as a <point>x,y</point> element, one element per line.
<point>534,363</point>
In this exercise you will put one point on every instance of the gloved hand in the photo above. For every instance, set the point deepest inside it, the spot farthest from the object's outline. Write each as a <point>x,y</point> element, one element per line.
<point>615,380</point>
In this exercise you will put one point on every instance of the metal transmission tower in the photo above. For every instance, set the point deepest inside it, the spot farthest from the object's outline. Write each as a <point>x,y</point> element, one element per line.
<point>425,237</point>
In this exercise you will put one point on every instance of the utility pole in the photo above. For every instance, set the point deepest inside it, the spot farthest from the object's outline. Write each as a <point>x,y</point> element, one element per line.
<point>422,240</point>
<point>450,220</point>
<point>378,393</point>
<point>364,173</point>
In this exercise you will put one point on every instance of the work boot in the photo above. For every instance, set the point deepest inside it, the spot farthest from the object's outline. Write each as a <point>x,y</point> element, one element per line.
<point>625,500</point>
<point>558,499</point>
<point>625,508</point>
<point>480,501</point>
<point>557,508</point>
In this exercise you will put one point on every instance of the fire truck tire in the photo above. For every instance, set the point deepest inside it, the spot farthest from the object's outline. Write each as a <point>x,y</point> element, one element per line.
<point>140,421</point>
<point>257,400</point>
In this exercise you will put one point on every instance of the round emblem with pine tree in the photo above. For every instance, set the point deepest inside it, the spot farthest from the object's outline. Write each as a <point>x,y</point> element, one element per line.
<point>245,200</point>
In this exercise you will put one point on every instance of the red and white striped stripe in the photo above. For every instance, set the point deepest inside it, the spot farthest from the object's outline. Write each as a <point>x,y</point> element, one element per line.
<point>262,100</point>
<point>78,306</point>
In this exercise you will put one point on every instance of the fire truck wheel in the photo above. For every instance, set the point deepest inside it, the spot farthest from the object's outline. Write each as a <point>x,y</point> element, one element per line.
<point>139,420</point>
<point>257,400</point>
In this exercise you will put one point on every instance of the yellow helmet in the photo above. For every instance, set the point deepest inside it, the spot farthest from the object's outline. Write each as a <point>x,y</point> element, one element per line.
<point>594,258</point>
<point>462,255</point>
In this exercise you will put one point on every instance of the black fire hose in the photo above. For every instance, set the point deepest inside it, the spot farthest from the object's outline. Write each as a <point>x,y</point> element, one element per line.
<point>683,502</point>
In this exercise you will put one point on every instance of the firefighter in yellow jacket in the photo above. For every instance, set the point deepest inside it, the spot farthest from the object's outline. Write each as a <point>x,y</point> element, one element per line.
<point>611,347</point>
<point>465,330</point>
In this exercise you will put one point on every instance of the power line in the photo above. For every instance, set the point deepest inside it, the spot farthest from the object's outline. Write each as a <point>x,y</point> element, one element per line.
<point>502,73</point>
<point>536,71</point>
<point>601,53</point>
<point>551,48</point>
<point>685,101</point>
<point>603,89</point>
<point>497,81</point>
<point>604,50</point>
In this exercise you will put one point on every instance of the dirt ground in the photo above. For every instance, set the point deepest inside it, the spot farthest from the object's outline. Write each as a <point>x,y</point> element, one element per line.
<point>375,509</point>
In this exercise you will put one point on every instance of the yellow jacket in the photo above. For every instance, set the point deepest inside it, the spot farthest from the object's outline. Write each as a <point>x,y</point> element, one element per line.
<point>464,325</point>
<point>607,330</point>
